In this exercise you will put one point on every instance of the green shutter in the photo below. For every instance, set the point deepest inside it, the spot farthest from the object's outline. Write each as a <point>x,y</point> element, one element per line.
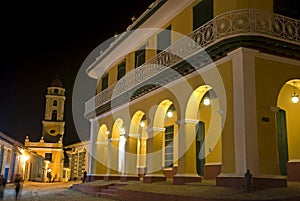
<point>202,13</point>
<point>164,39</point>
<point>200,143</point>
<point>104,82</point>
<point>282,141</point>
<point>121,70</point>
<point>169,144</point>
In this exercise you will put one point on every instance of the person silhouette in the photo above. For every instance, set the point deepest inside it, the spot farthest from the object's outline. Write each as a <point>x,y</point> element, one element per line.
<point>2,186</point>
<point>18,185</point>
<point>248,181</point>
<point>84,176</point>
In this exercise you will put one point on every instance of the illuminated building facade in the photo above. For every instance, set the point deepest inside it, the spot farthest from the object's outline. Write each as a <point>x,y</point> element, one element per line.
<point>198,90</point>
<point>17,159</point>
<point>78,154</point>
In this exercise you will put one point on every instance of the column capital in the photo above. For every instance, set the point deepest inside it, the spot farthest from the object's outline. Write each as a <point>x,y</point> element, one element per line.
<point>187,121</point>
<point>134,135</point>
<point>155,129</point>
<point>99,142</point>
<point>114,139</point>
<point>242,50</point>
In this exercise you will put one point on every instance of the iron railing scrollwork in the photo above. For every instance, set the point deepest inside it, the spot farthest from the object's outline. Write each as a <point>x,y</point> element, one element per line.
<point>230,24</point>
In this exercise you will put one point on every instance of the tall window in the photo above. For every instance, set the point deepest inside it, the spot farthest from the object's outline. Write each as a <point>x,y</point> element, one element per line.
<point>169,144</point>
<point>54,115</point>
<point>104,82</point>
<point>140,56</point>
<point>289,8</point>
<point>164,39</point>
<point>48,157</point>
<point>202,13</point>
<point>121,70</point>
<point>55,103</point>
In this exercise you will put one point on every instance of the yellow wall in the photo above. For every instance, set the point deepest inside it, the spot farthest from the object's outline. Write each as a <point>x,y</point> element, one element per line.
<point>270,77</point>
<point>228,150</point>
<point>56,164</point>
<point>213,151</point>
<point>148,103</point>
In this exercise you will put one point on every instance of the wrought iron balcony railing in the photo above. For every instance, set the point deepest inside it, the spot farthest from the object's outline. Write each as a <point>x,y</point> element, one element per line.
<point>247,22</point>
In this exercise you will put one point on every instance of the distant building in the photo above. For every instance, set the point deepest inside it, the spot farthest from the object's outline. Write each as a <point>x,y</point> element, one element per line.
<point>78,154</point>
<point>200,89</point>
<point>16,158</point>
<point>50,145</point>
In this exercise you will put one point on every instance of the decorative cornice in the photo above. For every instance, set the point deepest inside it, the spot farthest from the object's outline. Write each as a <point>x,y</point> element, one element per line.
<point>242,50</point>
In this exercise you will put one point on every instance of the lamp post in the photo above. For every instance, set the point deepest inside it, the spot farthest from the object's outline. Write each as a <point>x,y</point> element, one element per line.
<point>24,159</point>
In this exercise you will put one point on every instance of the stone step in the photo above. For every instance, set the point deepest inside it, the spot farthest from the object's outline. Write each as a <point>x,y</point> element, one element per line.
<point>120,184</point>
<point>111,191</point>
<point>108,195</point>
<point>113,187</point>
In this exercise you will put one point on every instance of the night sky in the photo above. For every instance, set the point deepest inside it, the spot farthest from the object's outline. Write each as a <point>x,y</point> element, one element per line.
<point>42,41</point>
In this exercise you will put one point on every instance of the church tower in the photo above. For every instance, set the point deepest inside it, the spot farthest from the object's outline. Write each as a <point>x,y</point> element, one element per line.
<point>50,145</point>
<point>53,123</point>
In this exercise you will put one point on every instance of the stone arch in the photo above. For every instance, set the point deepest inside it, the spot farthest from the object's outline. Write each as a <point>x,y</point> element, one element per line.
<point>158,144</point>
<point>136,144</point>
<point>210,150</point>
<point>287,127</point>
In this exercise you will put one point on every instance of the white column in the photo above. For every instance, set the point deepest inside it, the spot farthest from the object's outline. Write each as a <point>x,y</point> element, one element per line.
<point>245,115</point>
<point>93,137</point>
<point>4,160</point>
<point>113,156</point>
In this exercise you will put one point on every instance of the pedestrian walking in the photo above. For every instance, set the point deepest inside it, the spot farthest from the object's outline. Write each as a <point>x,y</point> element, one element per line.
<point>84,176</point>
<point>18,185</point>
<point>2,186</point>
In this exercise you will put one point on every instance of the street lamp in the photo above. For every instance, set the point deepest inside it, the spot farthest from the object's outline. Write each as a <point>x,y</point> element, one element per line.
<point>24,158</point>
<point>295,97</point>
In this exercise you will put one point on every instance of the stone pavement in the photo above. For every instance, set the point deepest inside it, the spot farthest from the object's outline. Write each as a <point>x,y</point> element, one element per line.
<point>138,191</point>
<point>56,191</point>
<point>205,190</point>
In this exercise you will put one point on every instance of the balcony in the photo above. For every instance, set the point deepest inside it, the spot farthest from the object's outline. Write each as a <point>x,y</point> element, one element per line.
<point>246,27</point>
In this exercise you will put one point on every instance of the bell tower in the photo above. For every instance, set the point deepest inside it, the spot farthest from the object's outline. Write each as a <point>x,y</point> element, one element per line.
<point>53,123</point>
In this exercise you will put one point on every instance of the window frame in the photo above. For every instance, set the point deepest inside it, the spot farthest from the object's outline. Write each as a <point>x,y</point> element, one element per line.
<point>104,82</point>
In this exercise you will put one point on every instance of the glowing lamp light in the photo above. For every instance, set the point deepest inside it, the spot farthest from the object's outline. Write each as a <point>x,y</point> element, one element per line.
<point>295,97</point>
<point>142,124</point>
<point>143,121</point>
<point>24,158</point>
<point>170,114</point>
<point>206,101</point>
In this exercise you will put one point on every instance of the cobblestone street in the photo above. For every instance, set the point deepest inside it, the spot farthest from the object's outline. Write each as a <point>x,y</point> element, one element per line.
<point>36,191</point>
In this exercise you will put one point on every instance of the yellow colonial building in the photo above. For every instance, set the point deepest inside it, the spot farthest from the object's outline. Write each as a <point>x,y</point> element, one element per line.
<point>200,89</point>
<point>78,154</point>
<point>50,145</point>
